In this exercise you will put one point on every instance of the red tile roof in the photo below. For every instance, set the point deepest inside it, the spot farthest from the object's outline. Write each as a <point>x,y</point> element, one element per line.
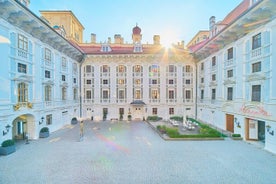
<point>234,14</point>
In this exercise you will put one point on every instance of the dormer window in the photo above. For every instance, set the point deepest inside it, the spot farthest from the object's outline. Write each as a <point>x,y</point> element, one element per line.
<point>105,48</point>
<point>137,48</point>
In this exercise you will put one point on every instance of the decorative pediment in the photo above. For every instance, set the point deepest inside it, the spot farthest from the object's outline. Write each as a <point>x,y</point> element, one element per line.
<point>48,82</point>
<point>23,78</point>
<point>255,77</point>
<point>229,81</point>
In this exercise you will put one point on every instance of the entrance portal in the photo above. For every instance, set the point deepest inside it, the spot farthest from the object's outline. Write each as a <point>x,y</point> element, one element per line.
<point>255,130</point>
<point>22,126</point>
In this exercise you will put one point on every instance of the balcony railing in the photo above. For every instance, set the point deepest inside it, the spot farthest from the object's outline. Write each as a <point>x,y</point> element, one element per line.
<point>256,53</point>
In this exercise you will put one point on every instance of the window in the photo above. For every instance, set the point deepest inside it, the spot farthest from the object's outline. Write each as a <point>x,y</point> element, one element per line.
<point>230,53</point>
<point>105,94</point>
<point>22,42</point>
<point>137,81</point>
<point>75,91</point>
<point>63,63</point>
<point>154,94</point>
<point>121,69</point>
<point>188,69</point>
<point>137,94</point>
<point>63,93</point>
<point>121,94</point>
<point>105,68</point>
<point>22,92</point>
<point>188,81</point>
<point>256,93</point>
<point>21,68</point>
<point>121,81</point>
<point>88,69</point>
<point>105,81</point>
<point>48,93</point>
<point>171,94</point>
<point>121,111</point>
<point>188,94</point>
<point>75,80</point>
<point>105,110</point>
<point>229,73</point>
<point>47,74</point>
<point>256,67</point>
<point>202,94</point>
<point>47,54</point>
<point>170,81</point>
<point>202,80</point>
<point>256,41</point>
<point>137,68</point>
<point>75,68</point>
<point>171,111</point>
<point>88,94</point>
<point>201,66</point>
<point>154,111</point>
<point>63,77</point>
<point>213,94</point>
<point>230,93</point>
<point>88,81</point>
<point>171,68</point>
<point>214,77</point>
<point>49,119</point>
<point>214,61</point>
<point>154,81</point>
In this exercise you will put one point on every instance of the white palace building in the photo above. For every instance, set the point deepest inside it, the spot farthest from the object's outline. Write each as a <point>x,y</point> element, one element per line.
<point>223,76</point>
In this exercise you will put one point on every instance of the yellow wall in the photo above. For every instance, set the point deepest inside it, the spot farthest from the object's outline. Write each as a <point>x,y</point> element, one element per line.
<point>72,26</point>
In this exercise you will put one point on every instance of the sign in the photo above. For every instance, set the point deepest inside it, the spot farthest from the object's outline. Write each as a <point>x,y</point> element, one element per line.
<point>254,110</point>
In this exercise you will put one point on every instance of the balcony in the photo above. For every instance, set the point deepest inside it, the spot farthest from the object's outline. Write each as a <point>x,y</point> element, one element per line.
<point>256,53</point>
<point>20,105</point>
<point>229,62</point>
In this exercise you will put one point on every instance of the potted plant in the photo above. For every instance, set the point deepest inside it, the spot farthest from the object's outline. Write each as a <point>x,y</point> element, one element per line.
<point>236,137</point>
<point>74,121</point>
<point>44,132</point>
<point>7,147</point>
<point>121,117</point>
<point>129,117</point>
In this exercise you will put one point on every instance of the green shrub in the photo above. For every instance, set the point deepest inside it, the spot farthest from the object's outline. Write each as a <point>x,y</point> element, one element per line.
<point>44,129</point>
<point>161,129</point>
<point>236,135</point>
<point>177,118</point>
<point>7,143</point>
<point>154,118</point>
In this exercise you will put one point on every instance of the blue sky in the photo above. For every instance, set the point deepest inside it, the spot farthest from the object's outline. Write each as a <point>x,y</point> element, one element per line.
<point>173,20</point>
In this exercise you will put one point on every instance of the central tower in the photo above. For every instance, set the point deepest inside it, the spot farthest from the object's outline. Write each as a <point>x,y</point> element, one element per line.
<point>136,34</point>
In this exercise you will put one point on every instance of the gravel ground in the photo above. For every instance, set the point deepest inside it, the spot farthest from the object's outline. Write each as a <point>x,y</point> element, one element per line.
<point>125,153</point>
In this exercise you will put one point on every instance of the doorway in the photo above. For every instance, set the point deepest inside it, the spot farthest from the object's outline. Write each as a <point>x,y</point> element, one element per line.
<point>230,123</point>
<point>255,130</point>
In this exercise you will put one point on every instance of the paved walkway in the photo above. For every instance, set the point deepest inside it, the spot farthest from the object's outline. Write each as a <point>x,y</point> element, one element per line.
<point>125,153</point>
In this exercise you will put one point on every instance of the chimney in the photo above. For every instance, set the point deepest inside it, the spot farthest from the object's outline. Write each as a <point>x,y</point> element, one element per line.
<point>118,39</point>
<point>156,40</point>
<point>212,22</point>
<point>93,38</point>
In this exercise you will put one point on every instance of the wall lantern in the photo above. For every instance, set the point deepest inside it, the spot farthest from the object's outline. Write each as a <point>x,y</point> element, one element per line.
<point>237,122</point>
<point>7,129</point>
<point>41,121</point>
<point>268,127</point>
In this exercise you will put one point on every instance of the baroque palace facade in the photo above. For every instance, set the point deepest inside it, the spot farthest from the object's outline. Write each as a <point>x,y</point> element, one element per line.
<point>224,76</point>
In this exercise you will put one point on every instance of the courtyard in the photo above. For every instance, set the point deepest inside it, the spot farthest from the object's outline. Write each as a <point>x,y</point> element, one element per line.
<point>132,152</point>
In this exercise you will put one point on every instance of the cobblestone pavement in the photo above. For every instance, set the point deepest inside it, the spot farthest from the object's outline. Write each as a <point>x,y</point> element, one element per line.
<point>125,153</point>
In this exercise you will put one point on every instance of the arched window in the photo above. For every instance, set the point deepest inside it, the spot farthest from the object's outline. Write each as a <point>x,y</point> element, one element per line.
<point>22,92</point>
<point>75,94</point>
<point>64,93</point>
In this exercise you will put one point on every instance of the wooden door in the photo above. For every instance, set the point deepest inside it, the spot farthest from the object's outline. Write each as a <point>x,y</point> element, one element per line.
<point>230,123</point>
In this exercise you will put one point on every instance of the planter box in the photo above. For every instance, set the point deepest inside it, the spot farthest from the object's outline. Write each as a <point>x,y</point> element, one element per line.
<point>43,134</point>
<point>7,150</point>
<point>237,138</point>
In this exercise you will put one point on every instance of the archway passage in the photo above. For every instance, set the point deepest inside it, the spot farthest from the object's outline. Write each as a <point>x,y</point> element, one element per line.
<point>23,126</point>
<point>137,110</point>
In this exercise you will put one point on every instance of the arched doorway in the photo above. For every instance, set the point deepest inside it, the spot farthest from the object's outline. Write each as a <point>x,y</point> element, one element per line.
<point>24,125</point>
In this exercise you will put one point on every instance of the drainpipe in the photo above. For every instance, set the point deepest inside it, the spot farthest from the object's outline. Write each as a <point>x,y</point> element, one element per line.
<point>80,86</point>
<point>196,98</point>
